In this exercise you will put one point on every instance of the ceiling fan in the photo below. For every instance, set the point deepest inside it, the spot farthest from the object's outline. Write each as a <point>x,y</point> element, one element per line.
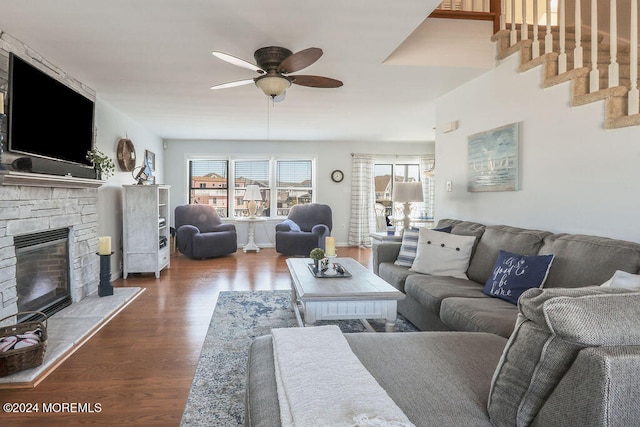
<point>274,66</point>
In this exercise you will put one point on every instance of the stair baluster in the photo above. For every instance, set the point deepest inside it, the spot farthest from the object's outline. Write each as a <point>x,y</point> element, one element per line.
<point>525,25</point>
<point>577,51</point>
<point>562,57</point>
<point>634,96</point>
<point>594,75</point>
<point>614,69</point>
<point>514,32</point>
<point>503,14</point>
<point>548,38</point>
<point>535,46</point>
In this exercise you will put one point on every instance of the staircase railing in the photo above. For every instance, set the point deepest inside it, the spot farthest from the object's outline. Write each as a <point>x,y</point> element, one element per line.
<point>620,36</point>
<point>482,10</point>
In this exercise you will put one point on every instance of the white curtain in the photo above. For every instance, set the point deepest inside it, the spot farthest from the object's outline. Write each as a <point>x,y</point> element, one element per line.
<point>427,165</point>
<point>363,199</point>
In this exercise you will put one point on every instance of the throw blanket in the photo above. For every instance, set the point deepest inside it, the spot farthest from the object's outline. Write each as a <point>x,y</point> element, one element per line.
<point>321,382</point>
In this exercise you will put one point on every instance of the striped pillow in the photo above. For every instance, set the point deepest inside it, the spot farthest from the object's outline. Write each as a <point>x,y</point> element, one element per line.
<point>410,245</point>
<point>408,248</point>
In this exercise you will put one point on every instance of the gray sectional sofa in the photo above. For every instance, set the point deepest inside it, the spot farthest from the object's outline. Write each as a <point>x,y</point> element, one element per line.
<point>572,356</point>
<point>436,303</point>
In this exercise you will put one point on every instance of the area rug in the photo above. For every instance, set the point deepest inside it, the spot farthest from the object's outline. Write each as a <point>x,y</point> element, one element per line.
<point>217,391</point>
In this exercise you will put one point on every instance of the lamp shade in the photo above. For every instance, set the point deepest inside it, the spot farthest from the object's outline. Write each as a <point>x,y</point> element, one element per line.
<point>252,193</point>
<point>404,192</point>
<point>273,85</point>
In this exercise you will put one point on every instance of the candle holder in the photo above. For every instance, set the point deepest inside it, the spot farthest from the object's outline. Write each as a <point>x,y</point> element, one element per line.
<point>105,288</point>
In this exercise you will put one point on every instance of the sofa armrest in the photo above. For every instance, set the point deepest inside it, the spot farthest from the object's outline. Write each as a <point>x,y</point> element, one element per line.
<point>184,238</point>
<point>224,227</point>
<point>385,252</point>
<point>599,389</point>
<point>282,227</point>
<point>321,230</point>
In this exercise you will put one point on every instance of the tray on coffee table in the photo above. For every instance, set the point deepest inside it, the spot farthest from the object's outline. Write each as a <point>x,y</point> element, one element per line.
<point>324,275</point>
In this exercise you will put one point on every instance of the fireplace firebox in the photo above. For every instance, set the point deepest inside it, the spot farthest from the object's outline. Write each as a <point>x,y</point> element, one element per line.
<point>42,272</point>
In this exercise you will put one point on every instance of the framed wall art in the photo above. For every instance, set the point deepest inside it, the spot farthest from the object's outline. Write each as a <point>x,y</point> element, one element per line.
<point>493,160</point>
<point>150,158</point>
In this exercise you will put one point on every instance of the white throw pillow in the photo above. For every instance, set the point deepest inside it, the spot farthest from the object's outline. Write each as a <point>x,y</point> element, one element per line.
<point>622,279</point>
<point>443,254</point>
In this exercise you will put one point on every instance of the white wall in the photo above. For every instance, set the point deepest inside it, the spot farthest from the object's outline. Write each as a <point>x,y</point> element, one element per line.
<point>112,125</point>
<point>330,156</point>
<point>576,177</point>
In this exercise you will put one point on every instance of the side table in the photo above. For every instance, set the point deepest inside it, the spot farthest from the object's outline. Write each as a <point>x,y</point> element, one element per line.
<point>251,231</point>
<point>382,237</point>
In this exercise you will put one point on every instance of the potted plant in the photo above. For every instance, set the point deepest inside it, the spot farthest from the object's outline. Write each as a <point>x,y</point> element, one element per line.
<point>102,163</point>
<point>316,255</point>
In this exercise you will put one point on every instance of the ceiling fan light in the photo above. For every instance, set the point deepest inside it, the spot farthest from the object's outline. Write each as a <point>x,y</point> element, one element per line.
<point>273,85</point>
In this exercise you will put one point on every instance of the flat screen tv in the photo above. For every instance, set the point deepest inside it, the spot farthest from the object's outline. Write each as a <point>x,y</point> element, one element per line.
<point>47,120</point>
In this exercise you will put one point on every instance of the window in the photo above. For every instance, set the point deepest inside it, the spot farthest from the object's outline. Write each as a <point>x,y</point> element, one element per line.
<point>386,174</point>
<point>294,184</point>
<point>251,172</point>
<point>283,183</point>
<point>208,184</point>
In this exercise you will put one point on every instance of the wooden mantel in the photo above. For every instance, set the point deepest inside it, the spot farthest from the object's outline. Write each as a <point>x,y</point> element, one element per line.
<point>43,180</point>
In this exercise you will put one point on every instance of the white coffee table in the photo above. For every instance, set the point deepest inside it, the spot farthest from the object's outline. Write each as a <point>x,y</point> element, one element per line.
<point>361,296</point>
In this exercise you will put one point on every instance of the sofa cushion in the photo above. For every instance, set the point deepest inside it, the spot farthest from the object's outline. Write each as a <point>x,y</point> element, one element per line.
<point>513,274</point>
<point>442,254</point>
<point>553,326</point>
<point>587,260</point>
<point>502,237</point>
<point>622,279</point>
<point>430,291</point>
<point>393,274</point>
<point>491,315</point>
<point>437,378</point>
<point>446,383</point>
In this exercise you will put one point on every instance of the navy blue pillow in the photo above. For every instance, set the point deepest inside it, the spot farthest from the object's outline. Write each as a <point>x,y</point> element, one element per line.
<point>513,274</point>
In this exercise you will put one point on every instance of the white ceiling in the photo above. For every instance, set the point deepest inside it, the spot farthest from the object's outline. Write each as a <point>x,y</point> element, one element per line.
<point>151,60</point>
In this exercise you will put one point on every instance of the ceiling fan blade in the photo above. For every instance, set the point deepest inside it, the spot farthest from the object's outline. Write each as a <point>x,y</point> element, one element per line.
<point>237,61</point>
<point>300,60</point>
<point>316,81</point>
<point>232,84</point>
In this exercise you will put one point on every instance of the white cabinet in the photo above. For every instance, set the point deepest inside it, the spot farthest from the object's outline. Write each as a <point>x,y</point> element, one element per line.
<point>145,229</point>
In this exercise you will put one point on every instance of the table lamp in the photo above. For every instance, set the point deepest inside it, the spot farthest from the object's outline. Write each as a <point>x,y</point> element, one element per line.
<point>251,195</point>
<point>407,192</point>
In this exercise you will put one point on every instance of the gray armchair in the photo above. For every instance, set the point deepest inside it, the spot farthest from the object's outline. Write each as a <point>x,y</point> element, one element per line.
<point>315,222</point>
<point>201,234</point>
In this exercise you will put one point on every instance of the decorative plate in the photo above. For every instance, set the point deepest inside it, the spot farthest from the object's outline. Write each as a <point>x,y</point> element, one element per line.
<point>126,153</point>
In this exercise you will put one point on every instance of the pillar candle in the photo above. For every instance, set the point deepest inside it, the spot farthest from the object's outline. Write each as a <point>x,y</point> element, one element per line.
<point>104,245</point>
<point>330,246</point>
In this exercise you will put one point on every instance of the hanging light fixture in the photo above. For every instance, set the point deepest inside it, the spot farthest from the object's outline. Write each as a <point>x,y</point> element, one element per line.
<point>273,85</point>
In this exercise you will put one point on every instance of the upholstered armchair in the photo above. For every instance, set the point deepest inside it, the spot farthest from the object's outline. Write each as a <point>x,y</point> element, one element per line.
<point>201,234</point>
<point>304,229</point>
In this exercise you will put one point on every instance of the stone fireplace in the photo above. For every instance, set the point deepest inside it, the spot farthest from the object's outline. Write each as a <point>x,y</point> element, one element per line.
<point>32,203</point>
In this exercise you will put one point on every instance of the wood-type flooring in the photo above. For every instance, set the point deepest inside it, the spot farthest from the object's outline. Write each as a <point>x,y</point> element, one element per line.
<point>137,370</point>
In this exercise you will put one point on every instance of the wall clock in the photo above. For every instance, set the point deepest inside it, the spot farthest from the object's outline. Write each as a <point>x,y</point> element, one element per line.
<point>126,154</point>
<point>337,175</point>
